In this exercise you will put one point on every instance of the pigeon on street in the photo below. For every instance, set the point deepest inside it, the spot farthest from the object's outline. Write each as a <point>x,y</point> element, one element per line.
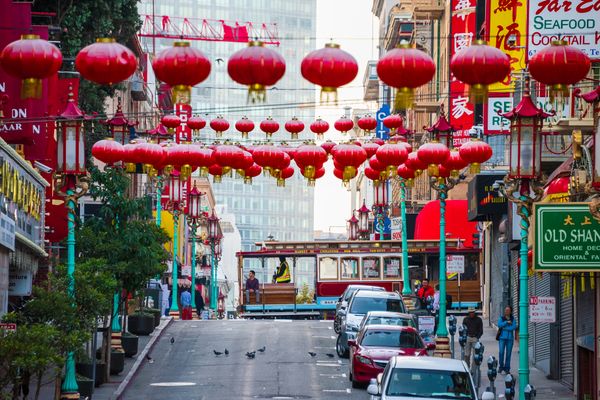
<point>150,360</point>
<point>262,349</point>
<point>312,354</point>
<point>251,354</point>
<point>217,353</point>
<point>329,355</point>
<point>172,340</point>
<point>226,352</point>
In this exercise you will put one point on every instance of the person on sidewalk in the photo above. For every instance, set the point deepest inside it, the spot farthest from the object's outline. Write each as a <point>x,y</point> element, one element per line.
<point>199,301</point>
<point>186,305</point>
<point>424,292</point>
<point>474,326</point>
<point>507,326</point>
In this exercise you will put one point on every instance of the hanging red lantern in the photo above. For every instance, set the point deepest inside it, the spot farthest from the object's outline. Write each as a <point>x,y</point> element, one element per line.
<point>393,122</point>
<point>171,122</point>
<point>413,162</point>
<point>344,174</point>
<point>344,124</point>
<point>350,157</point>
<point>219,125</point>
<point>105,62</point>
<point>433,154</point>
<point>244,126</point>
<point>558,66</point>
<point>330,68</point>
<point>251,172</point>
<point>271,158</point>
<point>367,124</point>
<point>151,155</point>
<point>294,127</point>
<point>257,67</point>
<point>407,174</point>
<point>230,157</point>
<point>328,146</point>
<point>129,157</point>
<point>290,151</point>
<point>217,172</point>
<point>479,66</point>
<point>378,141</point>
<point>405,69</point>
<point>376,164</point>
<point>203,157</point>
<point>370,148</point>
<point>475,152</point>
<point>309,159</point>
<point>454,163</point>
<point>442,172</point>
<point>196,123</point>
<point>269,126</point>
<point>31,59</point>
<point>181,67</point>
<point>286,173</point>
<point>108,151</point>
<point>319,127</point>
<point>182,159</point>
<point>373,175</point>
<point>392,155</point>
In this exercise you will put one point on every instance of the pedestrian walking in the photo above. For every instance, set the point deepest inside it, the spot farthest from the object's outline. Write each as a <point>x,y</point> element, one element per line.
<point>186,305</point>
<point>506,338</point>
<point>474,326</point>
<point>199,300</point>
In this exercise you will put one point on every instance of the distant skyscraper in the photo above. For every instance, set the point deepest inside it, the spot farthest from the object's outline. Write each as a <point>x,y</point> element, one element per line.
<point>261,209</point>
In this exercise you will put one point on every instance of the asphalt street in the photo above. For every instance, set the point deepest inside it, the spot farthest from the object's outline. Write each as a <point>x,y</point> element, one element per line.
<point>189,369</point>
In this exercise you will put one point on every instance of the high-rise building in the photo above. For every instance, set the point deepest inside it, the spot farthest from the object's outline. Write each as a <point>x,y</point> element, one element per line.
<point>262,209</point>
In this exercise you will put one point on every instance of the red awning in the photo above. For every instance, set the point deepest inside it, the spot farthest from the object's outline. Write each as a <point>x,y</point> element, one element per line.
<point>458,226</point>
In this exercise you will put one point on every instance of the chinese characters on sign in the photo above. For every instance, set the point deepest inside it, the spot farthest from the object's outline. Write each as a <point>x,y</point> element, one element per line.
<point>463,31</point>
<point>542,309</point>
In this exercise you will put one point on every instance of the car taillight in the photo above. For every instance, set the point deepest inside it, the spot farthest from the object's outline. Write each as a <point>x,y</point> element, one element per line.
<point>423,352</point>
<point>364,360</point>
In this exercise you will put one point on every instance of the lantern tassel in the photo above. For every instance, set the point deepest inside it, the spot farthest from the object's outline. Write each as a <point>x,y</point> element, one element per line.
<point>280,182</point>
<point>405,98</point>
<point>217,179</point>
<point>311,182</point>
<point>31,88</point>
<point>478,93</point>
<point>309,172</point>
<point>329,95</point>
<point>182,94</point>
<point>248,180</point>
<point>433,170</point>
<point>204,172</point>
<point>130,168</point>
<point>257,93</point>
<point>559,91</point>
<point>475,168</point>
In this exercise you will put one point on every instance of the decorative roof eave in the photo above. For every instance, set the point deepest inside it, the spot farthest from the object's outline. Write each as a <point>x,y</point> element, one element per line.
<point>159,130</point>
<point>589,97</point>
<point>441,125</point>
<point>526,108</point>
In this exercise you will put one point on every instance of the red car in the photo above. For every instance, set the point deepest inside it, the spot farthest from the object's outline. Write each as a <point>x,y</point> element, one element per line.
<point>375,345</point>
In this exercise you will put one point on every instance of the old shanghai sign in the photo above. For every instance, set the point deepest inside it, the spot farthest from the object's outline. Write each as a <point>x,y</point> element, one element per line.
<point>567,238</point>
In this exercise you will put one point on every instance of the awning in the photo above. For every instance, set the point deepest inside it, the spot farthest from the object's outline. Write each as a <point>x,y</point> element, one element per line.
<point>457,222</point>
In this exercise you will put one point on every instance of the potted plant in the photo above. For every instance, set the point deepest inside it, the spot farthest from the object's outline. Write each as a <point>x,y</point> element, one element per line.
<point>129,343</point>
<point>141,323</point>
<point>85,386</point>
<point>117,361</point>
<point>156,313</point>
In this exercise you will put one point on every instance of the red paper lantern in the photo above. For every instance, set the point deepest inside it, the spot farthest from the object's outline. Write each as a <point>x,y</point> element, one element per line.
<point>433,154</point>
<point>479,66</point>
<point>244,126</point>
<point>286,173</point>
<point>376,164</point>
<point>392,155</point>
<point>373,175</point>
<point>181,67</point>
<point>407,174</point>
<point>217,172</point>
<point>350,157</point>
<point>454,163</point>
<point>559,66</point>
<point>106,62</point>
<point>151,155</point>
<point>31,59</point>
<point>196,123</point>
<point>343,125</point>
<point>271,158</point>
<point>230,157</point>
<point>252,172</point>
<point>203,157</point>
<point>405,69</point>
<point>269,126</point>
<point>370,148</point>
<point>309,159</point>
<point>257,67</point>
<point>413,162</point>
<point>330,68</point>
<point>367,124</point>
<point>475,152</point>
<point>378,141</point>
<point>108,151</point>
<point>219,125</point>
<point>344,175</point>
<point>328,146</point>
<point>181,157</point>
<point>318,175</point>
<point>171,122</point>
<point>294,127</point>
<point>319,127</point>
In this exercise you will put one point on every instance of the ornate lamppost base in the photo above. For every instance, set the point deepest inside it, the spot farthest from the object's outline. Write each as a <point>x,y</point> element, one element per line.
<point>70,396</point>
<point>115,341</point>
<point>442,347</point>
<point>409,302</point>
<point>174,314</point>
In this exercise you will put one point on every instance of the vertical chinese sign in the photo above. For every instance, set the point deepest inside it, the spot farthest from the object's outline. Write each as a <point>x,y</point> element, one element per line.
<point>463,32</point>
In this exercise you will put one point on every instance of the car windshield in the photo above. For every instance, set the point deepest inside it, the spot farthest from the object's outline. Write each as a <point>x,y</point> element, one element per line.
<point>429,383</point>
<point>362,305</point>
<point>394,321</point>
<point>396,339</point>
<point>351,291</point>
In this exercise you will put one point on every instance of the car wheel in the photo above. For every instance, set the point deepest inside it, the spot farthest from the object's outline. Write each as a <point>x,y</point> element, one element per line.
<point>341,351</point>
<point>356,384</point>
<point>336,325</point>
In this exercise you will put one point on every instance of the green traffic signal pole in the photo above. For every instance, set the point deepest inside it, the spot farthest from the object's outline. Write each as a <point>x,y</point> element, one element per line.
<point>159,187</point>
<point>213,277</point>
<point>193,226</point>
<point>405,272</point>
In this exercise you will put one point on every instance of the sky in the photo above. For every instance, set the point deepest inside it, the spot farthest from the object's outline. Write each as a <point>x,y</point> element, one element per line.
<point>355,29</point>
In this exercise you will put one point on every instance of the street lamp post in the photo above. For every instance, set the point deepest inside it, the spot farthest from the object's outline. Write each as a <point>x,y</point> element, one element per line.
<point>523,187</point>
<point>352,228</point>
<point>405,272</point>
<point>175,206</point>
<point>71,183</point>
<point>380,210</point>
<point>213,237</point>
<point>194,219</point>
<point>363,222</point>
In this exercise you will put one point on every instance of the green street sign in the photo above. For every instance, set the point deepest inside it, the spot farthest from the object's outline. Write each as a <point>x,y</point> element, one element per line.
<point>566,237</point>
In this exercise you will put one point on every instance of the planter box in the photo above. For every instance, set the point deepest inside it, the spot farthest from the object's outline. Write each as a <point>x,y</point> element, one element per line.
<point>130,344</point>
<point>117,362</point>
<point>85,387</point>
<point>85,369</point>
<point>156,313</point>
<point>141,324</point>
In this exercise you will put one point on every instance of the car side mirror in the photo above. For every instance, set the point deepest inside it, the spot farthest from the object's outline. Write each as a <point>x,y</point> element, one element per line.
<point>431,346</point>
<point>351,342</point>
<point>344,304</point>
<point>373,388</point>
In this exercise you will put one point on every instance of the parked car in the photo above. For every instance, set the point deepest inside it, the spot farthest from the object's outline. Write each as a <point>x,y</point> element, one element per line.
<point>342,303</point>
<point>376,344</point>
<point>388,318</point>
<point>410,378</point>
<point>361,302</point>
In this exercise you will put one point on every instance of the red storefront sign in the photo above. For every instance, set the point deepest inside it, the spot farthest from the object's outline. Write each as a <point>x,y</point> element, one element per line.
<point>461,113</point>
<point>184,112</point>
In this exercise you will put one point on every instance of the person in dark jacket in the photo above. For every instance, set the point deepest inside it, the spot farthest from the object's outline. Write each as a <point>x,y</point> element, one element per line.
<point>474,326</point>
<point>507,324</point>
<point>252,285</point>
<point>199,301</point>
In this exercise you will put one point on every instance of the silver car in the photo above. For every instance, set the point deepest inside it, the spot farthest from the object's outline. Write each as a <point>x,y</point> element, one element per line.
<point>420,378</point>
<point>342,303</point>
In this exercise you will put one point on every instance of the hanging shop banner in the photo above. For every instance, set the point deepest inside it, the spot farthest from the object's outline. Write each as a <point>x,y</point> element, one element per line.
<point>463,32</point>
<point>383,132</point>
<point>19,283</point>
<point>507,31</point>
<point>566,238</point>
<point>575,21</point>
<point>184,112</point>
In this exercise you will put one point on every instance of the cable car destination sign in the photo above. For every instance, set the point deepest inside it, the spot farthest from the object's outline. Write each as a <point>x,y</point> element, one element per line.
<point>567,238</point>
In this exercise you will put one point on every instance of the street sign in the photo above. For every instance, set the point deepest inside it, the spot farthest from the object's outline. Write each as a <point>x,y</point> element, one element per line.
<point>6,327</point>
<point>455,264</point>
<point>396,228</point>
<point>566,238</point>
<point>542,309</point>
<point>382,131</point>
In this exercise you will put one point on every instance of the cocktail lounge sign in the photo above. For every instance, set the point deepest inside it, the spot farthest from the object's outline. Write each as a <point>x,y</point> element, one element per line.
<point>567,238</point>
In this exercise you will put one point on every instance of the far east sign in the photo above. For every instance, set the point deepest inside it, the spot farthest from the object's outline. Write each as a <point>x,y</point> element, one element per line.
<point>567,238</point>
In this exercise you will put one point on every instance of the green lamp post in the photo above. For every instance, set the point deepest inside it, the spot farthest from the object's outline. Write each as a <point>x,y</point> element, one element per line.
<point>175,206</point>
<point>72,184</point>
<point>523,186</point>
<point>194,218</point>
<point>214,238</point>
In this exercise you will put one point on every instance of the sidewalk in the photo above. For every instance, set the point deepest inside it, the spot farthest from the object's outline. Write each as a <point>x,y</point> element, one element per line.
<point>546,388</point>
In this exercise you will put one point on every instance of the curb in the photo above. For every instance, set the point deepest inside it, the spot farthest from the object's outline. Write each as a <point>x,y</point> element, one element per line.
<point>138,362</point>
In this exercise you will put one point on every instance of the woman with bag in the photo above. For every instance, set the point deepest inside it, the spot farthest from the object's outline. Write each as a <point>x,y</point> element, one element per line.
<point>506,337</point>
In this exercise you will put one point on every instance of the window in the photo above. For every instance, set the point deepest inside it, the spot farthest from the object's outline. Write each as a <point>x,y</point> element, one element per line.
<point>371,268</point>
<point>349,268</point>
<point>391,268</point>
<point>422,383</point>
<point>328,268</point>
<point>362,305</point>
<point>395,338</point>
